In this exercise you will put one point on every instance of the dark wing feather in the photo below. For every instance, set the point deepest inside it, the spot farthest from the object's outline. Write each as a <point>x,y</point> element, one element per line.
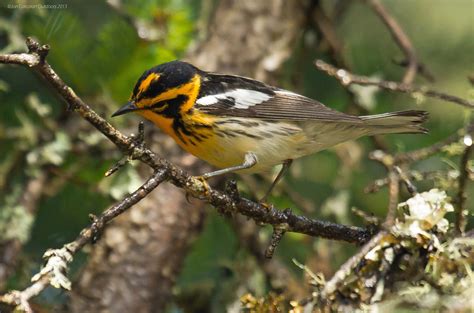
<point>277,105</point>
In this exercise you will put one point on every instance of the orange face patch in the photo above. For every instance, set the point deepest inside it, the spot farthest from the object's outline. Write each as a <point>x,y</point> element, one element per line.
<point>147,81</point>
<point>190,89</point>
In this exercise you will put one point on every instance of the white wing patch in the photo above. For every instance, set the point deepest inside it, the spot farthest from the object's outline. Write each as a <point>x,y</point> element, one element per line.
<point>243,98</point>
<point>287,93</point>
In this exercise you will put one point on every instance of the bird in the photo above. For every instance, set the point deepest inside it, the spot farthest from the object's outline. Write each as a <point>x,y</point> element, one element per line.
<point>243,125</point>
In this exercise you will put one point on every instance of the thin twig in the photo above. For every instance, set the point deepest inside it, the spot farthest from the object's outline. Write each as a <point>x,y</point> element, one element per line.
<point>328,32</point>
<point>277,236</point>
<point>411,188</point>
<point>387,160</point>
<point>138,140</point>
<point>400,38</point>
<point>423,153</point>
<point>412,175</point>
<point>422,69</point>
<point>461,211</point>
<point>369,218</point>
<point>346,269</point>
<point>393,192</point>
<point>346,78</point>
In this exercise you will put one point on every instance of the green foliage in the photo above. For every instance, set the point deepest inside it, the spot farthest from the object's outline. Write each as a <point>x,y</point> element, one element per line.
<point>15,220</point>
<point>100,54</point>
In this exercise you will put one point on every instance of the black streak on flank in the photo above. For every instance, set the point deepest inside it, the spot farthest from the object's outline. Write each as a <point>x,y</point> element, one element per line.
<point>246,134</point>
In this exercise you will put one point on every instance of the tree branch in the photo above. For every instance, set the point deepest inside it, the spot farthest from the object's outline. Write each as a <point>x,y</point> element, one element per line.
<point>346,79</point>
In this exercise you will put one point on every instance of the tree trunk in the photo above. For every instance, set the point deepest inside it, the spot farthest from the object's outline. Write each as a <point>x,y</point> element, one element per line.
<point>134,265</point>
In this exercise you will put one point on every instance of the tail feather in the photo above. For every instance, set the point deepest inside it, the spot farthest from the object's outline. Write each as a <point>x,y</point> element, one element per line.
<point>396,122</point>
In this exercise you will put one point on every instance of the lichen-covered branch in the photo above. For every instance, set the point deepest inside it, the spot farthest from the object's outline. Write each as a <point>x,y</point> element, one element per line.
<point>369,276</point>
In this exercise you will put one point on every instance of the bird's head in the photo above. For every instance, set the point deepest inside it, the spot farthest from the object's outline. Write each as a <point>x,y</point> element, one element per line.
<point>166,90</point>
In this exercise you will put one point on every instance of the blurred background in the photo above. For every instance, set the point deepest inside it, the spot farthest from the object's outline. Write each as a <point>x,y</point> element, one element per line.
<point>52,163</point>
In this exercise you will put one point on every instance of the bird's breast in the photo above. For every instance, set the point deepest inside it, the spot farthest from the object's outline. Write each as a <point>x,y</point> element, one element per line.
<point>224,141</point>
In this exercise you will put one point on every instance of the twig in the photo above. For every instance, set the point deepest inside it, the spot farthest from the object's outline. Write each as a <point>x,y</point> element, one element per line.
<point>277,274</point>
<point>139,140</point>
<point>393,192</point>
<point>27,59</point>
<point>400,38</point>
<point>347,268</point>
<point>277,235</point>
<point>368,218</point>
<point>18,301</point>
<point>406,180</point>
<point>422,69</point>
<point>387,160</point>
<point>461,211</point>
<point>412,175</point>
<point>423,153</point>
<point>346,78</point>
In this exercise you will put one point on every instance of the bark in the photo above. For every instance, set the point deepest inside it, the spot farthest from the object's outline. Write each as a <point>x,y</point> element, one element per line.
<point>251,38</point>
<point>134,265</point>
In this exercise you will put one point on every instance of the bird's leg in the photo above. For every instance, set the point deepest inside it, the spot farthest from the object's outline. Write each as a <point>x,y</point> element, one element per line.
<point>250,160</point>
<point>285,166</point>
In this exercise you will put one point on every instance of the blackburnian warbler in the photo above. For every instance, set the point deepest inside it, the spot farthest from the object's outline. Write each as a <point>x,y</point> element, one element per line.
<point>240,124</point>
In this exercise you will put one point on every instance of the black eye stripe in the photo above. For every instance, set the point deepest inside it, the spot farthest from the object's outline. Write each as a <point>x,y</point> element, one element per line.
<point>172,106</point>
<point>159,104</point>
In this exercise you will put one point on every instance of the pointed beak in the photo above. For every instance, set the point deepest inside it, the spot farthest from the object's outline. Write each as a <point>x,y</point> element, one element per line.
<point>127,108</point>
